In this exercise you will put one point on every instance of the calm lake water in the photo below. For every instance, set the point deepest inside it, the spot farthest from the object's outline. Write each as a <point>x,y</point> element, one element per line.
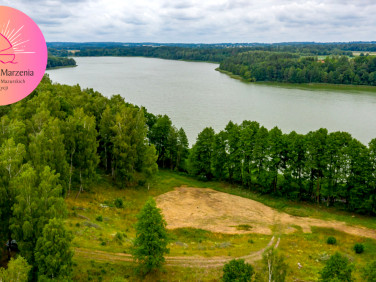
<point>195,96</point>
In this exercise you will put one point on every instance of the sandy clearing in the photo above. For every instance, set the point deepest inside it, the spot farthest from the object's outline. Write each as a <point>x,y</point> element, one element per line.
<point>221,212</point>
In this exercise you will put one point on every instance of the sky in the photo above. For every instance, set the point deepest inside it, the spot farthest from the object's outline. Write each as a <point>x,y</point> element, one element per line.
<point>202,21</point>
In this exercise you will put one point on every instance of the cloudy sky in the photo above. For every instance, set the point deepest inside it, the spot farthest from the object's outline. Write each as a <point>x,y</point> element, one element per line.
<point>202,21</point>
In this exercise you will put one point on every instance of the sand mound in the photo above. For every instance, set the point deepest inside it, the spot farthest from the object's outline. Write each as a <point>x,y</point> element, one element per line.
<point>224,213</point>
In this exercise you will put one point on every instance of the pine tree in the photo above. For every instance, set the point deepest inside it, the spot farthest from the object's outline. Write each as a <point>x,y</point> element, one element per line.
<point>151,240</point>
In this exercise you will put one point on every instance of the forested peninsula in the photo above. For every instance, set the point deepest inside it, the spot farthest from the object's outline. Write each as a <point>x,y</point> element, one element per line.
<point>56,62</point>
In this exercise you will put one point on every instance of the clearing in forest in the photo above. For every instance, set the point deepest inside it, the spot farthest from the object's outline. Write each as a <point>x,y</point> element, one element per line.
<point>225,213</point>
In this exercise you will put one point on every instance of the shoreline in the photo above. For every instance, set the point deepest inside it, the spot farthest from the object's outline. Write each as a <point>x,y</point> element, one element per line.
<point>305,86</point>
<point>61,67</point>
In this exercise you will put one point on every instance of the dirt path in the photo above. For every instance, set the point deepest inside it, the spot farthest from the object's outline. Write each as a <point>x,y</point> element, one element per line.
<point>192,261</point>
<point>223,213</point>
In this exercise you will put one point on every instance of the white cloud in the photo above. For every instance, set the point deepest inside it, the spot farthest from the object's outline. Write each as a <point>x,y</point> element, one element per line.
<point>202,21</point>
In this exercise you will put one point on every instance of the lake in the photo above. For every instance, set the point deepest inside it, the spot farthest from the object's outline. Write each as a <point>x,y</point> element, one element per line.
<point>196,96</point>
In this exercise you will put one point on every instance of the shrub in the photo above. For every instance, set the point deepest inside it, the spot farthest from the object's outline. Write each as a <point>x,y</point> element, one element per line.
<point>331,240</point>
<point>358,248</point>
<point>237,270</point>
<point>99,218</point>
<point>337,268</point>
<point>119,203</point>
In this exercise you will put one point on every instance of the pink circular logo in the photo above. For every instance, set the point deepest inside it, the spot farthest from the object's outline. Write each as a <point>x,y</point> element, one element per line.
<point>23,55</point>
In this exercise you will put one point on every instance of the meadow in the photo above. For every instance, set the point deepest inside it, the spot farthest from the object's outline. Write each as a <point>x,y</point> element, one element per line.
<point>102,220</point>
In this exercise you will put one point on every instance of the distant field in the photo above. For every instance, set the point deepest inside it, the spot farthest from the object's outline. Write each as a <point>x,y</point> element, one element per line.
<point>357,53</point>
<point>228,227</point>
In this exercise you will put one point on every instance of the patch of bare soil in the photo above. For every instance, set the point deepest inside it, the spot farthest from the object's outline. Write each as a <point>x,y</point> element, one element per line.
<point>224,213</point>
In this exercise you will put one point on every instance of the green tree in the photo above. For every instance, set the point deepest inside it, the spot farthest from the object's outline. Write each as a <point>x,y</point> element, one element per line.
<point>159,135</point>
<point>220,156</point>
<point>129,143</point>
<point>235,156</point>
<point>17,271</point>
<point>247,143</point>
<point>182,149</point>
<point>106,138</point>
<point>149,166</point>
<point>11,165</point>
<point>317,159</point>
<point>39,199</point>
<point>81,145</point>
<point>274,265</point>
<point>201,154</point>
<point>337,268</point>
<point>53,255</point>
<point>151,240</point>
<point>237,271</point>
<point>46,148</point>
<point>372,197</point>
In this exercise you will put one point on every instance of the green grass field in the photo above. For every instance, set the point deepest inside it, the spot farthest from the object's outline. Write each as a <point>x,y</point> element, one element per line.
<point>98,225</point>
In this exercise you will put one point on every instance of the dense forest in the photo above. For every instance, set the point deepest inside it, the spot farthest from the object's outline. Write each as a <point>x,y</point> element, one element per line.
<point>333,168</point>
<point>289,67</point>
<point>54,62</point>
<point>165,52</point>
<point>56,141</point>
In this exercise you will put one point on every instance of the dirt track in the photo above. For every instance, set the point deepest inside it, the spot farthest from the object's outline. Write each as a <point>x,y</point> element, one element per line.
<point>188,261</point>
<point>221,212</point>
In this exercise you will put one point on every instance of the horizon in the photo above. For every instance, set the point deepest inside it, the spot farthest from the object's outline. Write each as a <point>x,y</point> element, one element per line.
<point>217,43</point>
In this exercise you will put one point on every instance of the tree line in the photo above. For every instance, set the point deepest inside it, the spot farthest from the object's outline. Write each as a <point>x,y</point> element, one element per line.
<point>164,52</point>
<point>54,61</point>
<point>292,68</point>
<point>332,168</point>
<point>54,143</point>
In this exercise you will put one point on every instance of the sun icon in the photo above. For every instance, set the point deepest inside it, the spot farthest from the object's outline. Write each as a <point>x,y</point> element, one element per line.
<point>11,43</point>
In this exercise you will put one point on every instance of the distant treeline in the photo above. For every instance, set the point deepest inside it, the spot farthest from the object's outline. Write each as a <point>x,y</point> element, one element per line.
<point>318,167</point>
<point>54,61</point>
<point>290,67</point>
<point>165,52</point>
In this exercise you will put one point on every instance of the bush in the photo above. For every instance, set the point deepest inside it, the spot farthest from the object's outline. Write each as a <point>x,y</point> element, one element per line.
<point>337,268</point>
<point>99,218</point>
<point>358,248</point>
<point>119,203</point>
<point>237,270</point>
<point>331,240</point>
